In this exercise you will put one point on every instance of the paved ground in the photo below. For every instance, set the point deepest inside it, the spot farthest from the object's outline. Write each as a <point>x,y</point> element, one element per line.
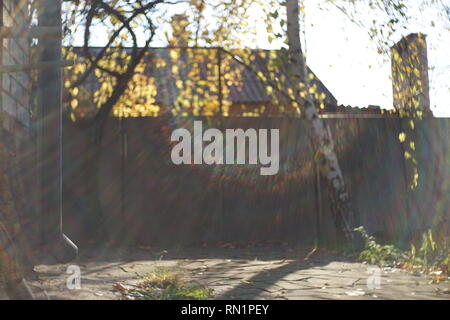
<point>255,273</point>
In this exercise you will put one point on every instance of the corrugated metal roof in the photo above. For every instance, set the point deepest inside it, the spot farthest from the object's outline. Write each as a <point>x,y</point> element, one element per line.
<point>249,89</point>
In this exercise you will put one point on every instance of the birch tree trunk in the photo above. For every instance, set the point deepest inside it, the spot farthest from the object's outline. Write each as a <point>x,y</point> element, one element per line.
<point>321,135</point>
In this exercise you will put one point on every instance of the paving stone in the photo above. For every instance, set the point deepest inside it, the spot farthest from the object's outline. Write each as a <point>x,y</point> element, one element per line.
<point>235,274</point>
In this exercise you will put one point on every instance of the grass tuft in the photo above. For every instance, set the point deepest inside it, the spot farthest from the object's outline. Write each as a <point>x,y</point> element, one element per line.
<point>166,284</point>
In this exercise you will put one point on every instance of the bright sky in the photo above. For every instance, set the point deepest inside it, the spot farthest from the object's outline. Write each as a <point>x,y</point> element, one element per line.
<point>347,62</point>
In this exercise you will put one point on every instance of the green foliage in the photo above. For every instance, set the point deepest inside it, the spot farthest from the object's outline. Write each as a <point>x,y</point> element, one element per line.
<point>168,285</point>
<point>432,257</point>
<point>434,254</point>
<point>377,254</point>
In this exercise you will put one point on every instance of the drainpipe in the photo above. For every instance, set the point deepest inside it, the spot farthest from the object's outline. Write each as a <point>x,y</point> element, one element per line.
<point>50,137</point>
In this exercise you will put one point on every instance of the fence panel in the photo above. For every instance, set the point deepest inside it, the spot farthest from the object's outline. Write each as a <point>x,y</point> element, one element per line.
<point>147,199</point>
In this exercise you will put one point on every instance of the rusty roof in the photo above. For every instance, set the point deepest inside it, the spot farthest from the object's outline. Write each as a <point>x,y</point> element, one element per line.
<point>250,89</point>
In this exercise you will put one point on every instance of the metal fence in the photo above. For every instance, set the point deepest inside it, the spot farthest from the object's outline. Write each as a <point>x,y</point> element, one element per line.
<point>128,187</point>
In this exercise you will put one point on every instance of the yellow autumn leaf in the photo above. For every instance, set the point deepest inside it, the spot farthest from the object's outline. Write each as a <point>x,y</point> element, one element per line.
<point>74,104</point>
<point>74,92</point>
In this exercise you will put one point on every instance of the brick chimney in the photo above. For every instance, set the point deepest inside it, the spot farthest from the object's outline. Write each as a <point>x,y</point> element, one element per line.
<point>180,34</point>
<point>410,74</point>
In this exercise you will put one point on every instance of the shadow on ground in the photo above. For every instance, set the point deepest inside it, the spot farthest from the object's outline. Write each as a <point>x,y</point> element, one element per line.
<point>277,272</point>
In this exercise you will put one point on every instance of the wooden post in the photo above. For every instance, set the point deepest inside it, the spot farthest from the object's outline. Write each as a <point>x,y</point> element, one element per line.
<point>50,137</point>
<point>219,66</point>
<point>318,194</point>
<point>30,33</point>
<point>35,66</point>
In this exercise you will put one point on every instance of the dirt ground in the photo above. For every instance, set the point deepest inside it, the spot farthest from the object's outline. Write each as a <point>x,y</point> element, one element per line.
<point>251,273</point>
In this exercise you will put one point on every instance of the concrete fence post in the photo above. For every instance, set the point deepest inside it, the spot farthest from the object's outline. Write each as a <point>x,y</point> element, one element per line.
<point>410,81</point>
<point>411,93</point>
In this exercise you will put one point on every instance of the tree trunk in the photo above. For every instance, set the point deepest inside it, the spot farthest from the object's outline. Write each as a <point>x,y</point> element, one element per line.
<point>321,135</point>
<point>13,244</point>
<point>11,272</point>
